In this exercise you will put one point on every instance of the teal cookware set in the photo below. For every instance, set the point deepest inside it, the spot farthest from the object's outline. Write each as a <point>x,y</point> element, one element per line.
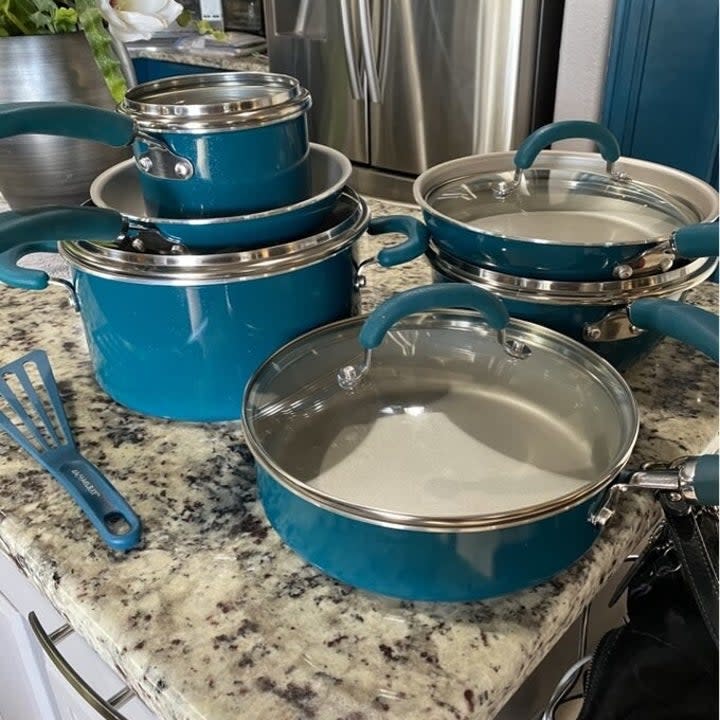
<point>572,240</point>
<point>461,442</point>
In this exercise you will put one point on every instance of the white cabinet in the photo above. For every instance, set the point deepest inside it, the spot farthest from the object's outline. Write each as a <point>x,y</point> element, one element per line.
<point>31,686</point>
<point>23,685</point>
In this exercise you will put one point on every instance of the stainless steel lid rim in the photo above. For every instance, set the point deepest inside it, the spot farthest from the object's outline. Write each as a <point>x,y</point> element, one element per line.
<point>220,267</point>
<point>279,98</point>
<point>566,292</point>
<point>572,351</point>
<point>646,179</point>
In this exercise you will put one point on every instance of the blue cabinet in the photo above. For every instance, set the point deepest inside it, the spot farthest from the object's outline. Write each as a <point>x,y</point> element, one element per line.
<point>661,97</point>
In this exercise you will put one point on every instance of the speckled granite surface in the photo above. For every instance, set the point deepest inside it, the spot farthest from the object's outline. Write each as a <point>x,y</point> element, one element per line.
<point>214,619</point>
<point>254,61</point>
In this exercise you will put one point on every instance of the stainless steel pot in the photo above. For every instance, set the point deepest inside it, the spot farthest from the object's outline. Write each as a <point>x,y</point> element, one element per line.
<point>40,169</point>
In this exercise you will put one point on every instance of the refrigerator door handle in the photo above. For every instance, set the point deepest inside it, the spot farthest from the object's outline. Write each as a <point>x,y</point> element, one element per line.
<point>368,43</point>
<point>349,45</point>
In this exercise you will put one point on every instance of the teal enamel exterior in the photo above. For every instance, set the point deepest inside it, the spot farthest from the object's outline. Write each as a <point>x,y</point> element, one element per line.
<point>587,263</point>
<point>186,352</point>
<point>235,172</point>
<point>433,566</point>
<point>571,319</point>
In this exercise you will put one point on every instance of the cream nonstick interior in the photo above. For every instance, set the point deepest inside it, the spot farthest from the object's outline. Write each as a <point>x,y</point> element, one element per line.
<point>445,424</point>
<point>564,207</point>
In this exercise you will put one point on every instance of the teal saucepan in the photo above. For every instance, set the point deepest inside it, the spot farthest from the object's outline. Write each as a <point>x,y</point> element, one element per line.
<point>207,145</point>
<point>562,215</point>
<point>119,188</point>
<point>177,336</point>
<point>433,453</point>
<point>622,320</point>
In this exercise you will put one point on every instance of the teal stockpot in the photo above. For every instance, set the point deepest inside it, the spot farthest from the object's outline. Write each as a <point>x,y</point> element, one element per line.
<point>208,145</point>
<point>432,453</point>
<point>604,315</point>
<point>177,336</point>
<point>568,216</point>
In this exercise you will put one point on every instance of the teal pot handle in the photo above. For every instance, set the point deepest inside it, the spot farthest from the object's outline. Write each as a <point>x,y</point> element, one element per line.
<point>84,122</point>
<point>431,297</point>
<point>696,478</point>
<point>696,241</point>
<point>38,230</point>
<point>689,324</point>
<point>706,482</point>
<point>415,245</point>
<point>566,130</point>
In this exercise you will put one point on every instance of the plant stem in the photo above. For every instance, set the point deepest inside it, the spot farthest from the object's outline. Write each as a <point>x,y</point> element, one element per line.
<point>98,37</point>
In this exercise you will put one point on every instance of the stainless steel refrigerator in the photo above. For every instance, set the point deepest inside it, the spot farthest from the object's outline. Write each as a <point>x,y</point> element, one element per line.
<point>401,85</point>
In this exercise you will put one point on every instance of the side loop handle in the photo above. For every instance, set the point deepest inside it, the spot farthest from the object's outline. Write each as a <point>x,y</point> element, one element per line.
<point>431,297</point>
<point>414,230</point>
<point>565,130</point>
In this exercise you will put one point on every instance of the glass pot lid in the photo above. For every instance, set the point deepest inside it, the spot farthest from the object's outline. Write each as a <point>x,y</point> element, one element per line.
<point>215,101</point>
<point>566,198</point>
<point>454,422</point>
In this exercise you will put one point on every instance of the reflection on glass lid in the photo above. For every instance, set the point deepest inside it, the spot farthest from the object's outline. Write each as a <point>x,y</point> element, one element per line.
<point>444,425</point>
<point>562,206</point>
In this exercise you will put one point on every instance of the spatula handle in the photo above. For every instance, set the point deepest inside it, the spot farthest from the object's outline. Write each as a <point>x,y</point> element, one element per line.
<point>106,509</point>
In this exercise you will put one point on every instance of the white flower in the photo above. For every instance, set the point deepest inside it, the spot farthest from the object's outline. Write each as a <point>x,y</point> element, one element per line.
<point>130,20</point>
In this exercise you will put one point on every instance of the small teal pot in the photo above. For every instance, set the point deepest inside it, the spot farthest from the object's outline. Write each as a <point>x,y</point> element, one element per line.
<point>621,321</point>
<point>414,358</point>
<point>178,336</point>
<point>568,216</point>
<point>209,145</point>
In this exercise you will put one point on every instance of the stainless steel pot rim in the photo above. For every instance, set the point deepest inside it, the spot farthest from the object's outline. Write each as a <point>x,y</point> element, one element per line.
<point>568,292</point>
<point>522,330</point>
<point>648,178</point>
<point>222,267</point>
<point>269,98</point>
<point>107,175</point>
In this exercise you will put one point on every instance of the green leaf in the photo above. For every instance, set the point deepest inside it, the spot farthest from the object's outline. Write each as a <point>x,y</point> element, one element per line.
<point>65,19</point>
<point>184,18</point>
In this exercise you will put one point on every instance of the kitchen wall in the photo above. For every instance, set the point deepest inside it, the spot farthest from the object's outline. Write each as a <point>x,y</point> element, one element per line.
<point>584,48</point>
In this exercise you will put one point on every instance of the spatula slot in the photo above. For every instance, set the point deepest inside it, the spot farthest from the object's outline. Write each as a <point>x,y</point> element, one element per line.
<point>117,524</point>
<point>17,421</point>
<point>46,408</point>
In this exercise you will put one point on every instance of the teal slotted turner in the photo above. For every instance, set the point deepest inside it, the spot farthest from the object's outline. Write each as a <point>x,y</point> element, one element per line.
<point>44,433</point>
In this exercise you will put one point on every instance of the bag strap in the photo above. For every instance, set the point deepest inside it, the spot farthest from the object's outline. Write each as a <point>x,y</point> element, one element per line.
<point>695,538</point>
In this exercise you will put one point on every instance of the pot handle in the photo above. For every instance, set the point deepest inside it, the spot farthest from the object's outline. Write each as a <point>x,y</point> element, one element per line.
<point>37,230</point>
<point>696,241</point>
<point>431,297</point>
<point>695,478</point>
<point>688,324</point>
<point>84,122</point>
<point>414,230</point>
<point>566,130</point>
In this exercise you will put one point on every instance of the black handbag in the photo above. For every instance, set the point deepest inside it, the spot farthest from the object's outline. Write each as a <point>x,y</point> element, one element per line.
<point>662,664</point>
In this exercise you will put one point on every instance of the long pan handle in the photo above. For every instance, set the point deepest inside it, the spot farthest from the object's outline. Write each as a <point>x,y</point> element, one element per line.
<point>39,229</point>
<point>83,122</point>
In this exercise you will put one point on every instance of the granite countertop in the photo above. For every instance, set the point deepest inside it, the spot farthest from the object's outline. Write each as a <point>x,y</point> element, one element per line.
<point>213,618</point>
<point>251,60</point>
